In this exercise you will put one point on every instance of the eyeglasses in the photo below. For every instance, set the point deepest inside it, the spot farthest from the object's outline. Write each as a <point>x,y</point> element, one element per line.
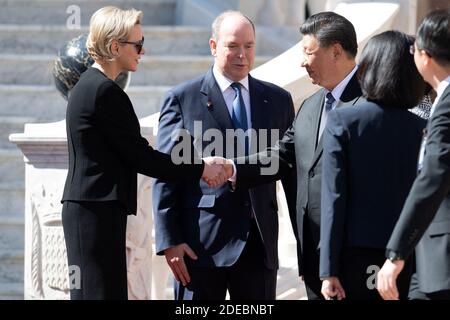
<point>138,44</point>
<point>412,50</point>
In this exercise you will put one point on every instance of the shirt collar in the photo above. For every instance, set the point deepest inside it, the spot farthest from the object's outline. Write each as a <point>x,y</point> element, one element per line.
<point>339,89</point>
<point>440,90</point>
<point>224,83</point>
<point>441,87</point>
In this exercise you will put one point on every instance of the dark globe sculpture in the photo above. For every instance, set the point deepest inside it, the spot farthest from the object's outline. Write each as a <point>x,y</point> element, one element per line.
<point>72,60</point>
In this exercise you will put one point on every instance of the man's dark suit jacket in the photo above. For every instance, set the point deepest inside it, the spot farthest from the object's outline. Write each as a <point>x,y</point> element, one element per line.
<point>106,149</point>
<point>425,218</point>
<point>300,149</point>
<point>369,164</point>
<point>215,222</point>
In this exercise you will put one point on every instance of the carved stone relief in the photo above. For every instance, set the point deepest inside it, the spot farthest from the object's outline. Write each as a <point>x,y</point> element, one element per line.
<point>48,253</point>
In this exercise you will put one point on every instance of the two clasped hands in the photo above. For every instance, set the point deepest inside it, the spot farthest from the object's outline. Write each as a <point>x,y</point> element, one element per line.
<point>217,171</point>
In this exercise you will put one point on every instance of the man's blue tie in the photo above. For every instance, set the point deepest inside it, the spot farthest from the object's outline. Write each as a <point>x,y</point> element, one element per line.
<point>239,116</point>
<point>329,102</point>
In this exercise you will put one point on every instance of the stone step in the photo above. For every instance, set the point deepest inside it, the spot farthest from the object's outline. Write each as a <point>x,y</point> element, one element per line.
<point>9,125</point>
<point>159,40</point>
<point>46,104</point>
<point>12,198</point>
<point>12,237</point>
<point>11,267</point>
<point>74,12</point>
<point>152,70</point>
<point>12,167</point>
<point>46,39</point>
<point>11,291</point>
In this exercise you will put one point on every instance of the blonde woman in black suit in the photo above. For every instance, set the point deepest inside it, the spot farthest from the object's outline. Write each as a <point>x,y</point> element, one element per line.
<point>106,151</point>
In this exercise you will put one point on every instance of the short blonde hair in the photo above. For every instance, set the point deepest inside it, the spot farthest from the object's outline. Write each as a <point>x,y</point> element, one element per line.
<point>108,24</point>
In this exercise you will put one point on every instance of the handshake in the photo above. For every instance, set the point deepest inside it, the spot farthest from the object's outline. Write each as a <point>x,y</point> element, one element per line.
<point>217,171</point>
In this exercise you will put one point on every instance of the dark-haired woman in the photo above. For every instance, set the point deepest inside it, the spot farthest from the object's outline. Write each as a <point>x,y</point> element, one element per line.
<point>369,164</point>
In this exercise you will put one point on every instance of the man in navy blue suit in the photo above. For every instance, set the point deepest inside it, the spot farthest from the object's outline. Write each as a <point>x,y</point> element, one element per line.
<point>214,239</point>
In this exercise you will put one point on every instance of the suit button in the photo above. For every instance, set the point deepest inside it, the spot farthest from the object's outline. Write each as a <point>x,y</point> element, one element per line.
<point>246,203</point>
<point>311,174</point>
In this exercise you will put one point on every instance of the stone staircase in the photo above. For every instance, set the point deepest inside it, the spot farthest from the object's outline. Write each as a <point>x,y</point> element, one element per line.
<point>32,32</point>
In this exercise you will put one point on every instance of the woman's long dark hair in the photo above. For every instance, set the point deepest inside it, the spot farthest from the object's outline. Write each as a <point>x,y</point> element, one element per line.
<point>387,72</point>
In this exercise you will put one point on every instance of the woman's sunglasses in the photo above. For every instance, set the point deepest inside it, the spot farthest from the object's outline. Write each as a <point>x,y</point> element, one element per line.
<point>138,44</point>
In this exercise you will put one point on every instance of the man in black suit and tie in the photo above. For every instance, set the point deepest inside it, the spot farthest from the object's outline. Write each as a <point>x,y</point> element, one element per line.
<point>424,223</point>
<point>213,239</point>
<point>329,48</point>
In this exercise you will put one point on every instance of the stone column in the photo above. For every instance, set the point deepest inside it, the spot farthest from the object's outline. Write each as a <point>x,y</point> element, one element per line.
<point>45,155</point>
